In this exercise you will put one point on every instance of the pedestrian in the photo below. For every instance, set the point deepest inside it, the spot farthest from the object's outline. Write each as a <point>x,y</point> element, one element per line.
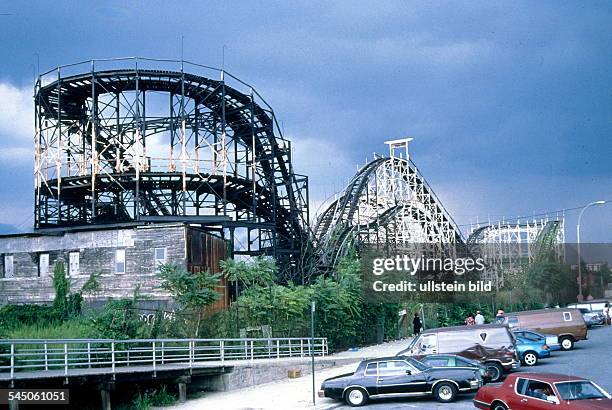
<point>416,324</point>
<point>479,319</point>
<point>469,320</point>
<point>607,313</point>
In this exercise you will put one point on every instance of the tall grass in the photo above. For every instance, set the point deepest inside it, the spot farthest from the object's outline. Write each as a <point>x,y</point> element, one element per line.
<point>75,328</point>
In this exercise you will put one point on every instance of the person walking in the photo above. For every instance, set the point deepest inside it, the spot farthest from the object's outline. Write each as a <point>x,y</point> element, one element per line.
<point>607,314</point>
<point>479,319</point>
<point>469,320</point>
<point>416,324</point>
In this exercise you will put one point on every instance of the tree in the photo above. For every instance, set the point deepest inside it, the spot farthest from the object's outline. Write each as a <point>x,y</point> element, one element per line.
<point>193,291</point>
<point>258,272</point>
<point>62,289</point>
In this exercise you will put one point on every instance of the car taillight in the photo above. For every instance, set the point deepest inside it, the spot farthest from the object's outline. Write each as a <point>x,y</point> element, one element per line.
<point>545,347</point>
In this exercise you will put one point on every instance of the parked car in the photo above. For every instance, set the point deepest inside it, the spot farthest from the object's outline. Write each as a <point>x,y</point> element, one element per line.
<point>595,305</point>
<point>453,360</point>
<point>592,318</point>
<point>551,341</point>
<point>400,377</point>
<point>533,391</point>
<point>531,351</point>
<point>491,345</point>
<point>567,324</point>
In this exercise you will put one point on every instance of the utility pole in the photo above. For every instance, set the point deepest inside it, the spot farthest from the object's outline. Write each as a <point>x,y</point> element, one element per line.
<point>312,352</point>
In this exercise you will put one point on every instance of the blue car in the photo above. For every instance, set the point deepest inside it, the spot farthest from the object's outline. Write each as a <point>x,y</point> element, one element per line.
<point>551,341</point>
<point>531,351</point>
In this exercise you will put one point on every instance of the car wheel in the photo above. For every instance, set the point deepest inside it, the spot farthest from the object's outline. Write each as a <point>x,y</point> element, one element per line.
<point>356,396</point>
<point>445,392</point>
<point>498,406</point>
<point>495,370</point>
<point>567,343</point>
<point>530,358</point>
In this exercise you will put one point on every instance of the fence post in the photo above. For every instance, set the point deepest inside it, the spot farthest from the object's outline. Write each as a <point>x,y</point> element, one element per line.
<point>65,359</point>
<point>46,358</point>
<point>154,360</point>
<point>113,357</point>
<point>252,353</point>
<point>89,355</point>
<point>12,361</point>
<point>222,350</point>
<point>191,351</point>
<point>301,347</point>
<point>278,348</point>
<point>163,346</point>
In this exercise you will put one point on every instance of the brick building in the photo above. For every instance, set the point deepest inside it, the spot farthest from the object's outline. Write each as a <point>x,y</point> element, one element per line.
<point>126,256</point>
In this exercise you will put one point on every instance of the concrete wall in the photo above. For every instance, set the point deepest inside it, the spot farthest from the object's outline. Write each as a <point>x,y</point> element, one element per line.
<point>265,371</point>
<point>97,253</point>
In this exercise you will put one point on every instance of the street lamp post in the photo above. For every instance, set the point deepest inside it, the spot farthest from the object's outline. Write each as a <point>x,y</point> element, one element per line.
<point>580,296</point>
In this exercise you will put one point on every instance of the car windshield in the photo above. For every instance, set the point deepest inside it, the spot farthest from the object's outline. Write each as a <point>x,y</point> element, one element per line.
<point>530,337</point>
<point>579,390</point>
<point>420,366</point>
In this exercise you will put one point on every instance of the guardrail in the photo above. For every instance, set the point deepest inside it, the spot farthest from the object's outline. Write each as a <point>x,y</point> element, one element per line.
<point>51,355</point>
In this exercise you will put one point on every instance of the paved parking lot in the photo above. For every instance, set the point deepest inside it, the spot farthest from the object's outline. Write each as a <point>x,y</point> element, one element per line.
<point>591,359</point>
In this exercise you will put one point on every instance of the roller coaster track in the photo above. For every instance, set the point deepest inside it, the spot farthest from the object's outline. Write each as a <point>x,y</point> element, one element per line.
<point>104,111</point>
<point>507,242</point>
<point>386,192</point>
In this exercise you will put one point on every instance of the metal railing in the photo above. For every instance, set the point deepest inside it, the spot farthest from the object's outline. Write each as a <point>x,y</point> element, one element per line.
<point>70,355</point>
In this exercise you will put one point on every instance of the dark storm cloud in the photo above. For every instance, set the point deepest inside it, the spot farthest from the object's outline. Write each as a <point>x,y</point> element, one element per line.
<point>509,103</point>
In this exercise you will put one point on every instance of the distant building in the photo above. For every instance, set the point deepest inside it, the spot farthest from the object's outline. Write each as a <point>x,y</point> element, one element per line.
<point>127,257</point>
<point>592,266</point>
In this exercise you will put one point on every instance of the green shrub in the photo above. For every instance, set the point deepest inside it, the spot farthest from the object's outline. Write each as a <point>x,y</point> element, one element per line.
<point>161,397</point>
<point>13,316</point>
<point>142,401</point>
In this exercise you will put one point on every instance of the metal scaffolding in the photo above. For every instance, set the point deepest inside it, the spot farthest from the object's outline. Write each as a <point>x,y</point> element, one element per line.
<point>124,140</point>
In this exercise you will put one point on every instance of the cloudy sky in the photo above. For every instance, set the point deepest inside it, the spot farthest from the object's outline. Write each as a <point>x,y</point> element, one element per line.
<point>509,103</point>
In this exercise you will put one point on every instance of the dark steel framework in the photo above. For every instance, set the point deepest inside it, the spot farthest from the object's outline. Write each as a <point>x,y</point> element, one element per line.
<point>126,140</point>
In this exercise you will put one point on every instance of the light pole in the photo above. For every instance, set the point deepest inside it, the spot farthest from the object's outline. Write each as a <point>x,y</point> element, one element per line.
<point>312,353</point>
<point>580,296</point>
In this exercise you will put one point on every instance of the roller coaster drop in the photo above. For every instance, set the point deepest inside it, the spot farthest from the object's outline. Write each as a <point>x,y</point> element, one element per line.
<point>389,202</point>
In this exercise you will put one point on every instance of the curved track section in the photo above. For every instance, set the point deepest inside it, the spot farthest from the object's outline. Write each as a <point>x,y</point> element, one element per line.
<point>508,247</point>
<point>141,144</point>
<point>387,201</point>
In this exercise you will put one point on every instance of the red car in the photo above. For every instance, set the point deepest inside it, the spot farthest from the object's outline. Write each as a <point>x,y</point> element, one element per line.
<point>531,391</point>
